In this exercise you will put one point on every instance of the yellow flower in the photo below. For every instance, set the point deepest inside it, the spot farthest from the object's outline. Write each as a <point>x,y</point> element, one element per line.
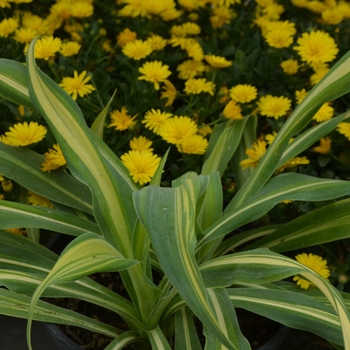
<point>279,37</point>
<point>70,48</point>
<point>156,42</point>
<point>126,36</point>
<point>205,130</point>
<point>82,9</point>
<point>315,263</point>
<point>188,28</point>
<point>77,85</point>
<point>344,129</point>
<point>290,66</point>
<point>196,144</point>
<point>154,119</point>
<point>35,22</point>
<point>7,185</point>
<point>62,9</point>
<point>141,143</point>
<point>232,111</point>
<point>321,69</point>
<point>190,69</point>
<point>254,154</point>
<point>221,15</point>
<point>193,49</point>
<point>4,3</point>
<point>169,92</point>
<point>47,47</point>
<point>24,134</point>
<point>141,165</point>
<point>324,147</point>
<point>154,72</point>
<point>7,27</point>
<point>332,16</point>
<point>324,113</point>
<point>293,163</point>
<point>54,159</point>
<point>176,130</point>
<point>273,106</point>
<point>121,120</point>
<point>25,35</point>
<point>16,230</point>
<point>243,93</point>
<point>300,95</point>
<point>137,49</point>
<point>36,199</point>
<point>196,86</point>
<point>316,46</point>
<point>217,61</point>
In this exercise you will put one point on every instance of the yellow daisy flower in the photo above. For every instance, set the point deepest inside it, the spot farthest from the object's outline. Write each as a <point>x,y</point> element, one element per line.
<point>220,15</point>
<point>188,28</point>
<point>344,129</point>
<point>77,85</point>
<point>126,36</point>
<point>325,113</point>
<point>154,119</point>
<point>290,66</point>
<point>25,35</point>
<point>137,49</point>
<point>243,93</point>
<point>156,42</point>
<point>54,159</point>
<point>278,39</point>
<point>62,9</point>
<point>254,154</point>
<point>7,27</point>
<point>121,120</point>
<point>169,92</point>
<point>81,9</point>
<point>196,86</point>
<point>314,262</point>
<point>141,143</point>
<point>177,129</point>
<point>273,106</point>
<point>70,48</point>
<point>38,200</point>
<point>232,111</point>
<point>24,134</point>
<point>196,144</point>
<point>324,147</point>
<point>217,61</point>
<point>154,72</point>
<point>316,46</point>
<point>141,165</point>
<point>293,163</point>
<point>300,95</point>
<point>190,69</point>
<point>193,49</point>
<point>47,47</point>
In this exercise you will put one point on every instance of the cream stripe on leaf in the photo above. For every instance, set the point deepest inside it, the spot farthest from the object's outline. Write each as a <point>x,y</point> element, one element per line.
<point>78,143</point>
<point>290,186</point>
<point>14,82</point>
<point>261,266</point>
<point>169,216</point>
<point>292,309</point>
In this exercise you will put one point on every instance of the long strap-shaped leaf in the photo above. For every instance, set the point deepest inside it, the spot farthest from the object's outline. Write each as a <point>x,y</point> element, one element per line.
<point>294,310</point>
<point>169,217</point>
<point>85,255</point>
<point>13,82</point>
<point>24,166</point>
<point>262,265</point>
<point>333,85</point>
<point>15,214</point>
<point>112,206</point>
<point>326,224</point>
<point>285,186</point>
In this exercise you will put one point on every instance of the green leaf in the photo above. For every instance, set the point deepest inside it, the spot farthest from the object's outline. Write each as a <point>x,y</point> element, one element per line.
<point>14,82</point>
<point>99,123</point>
<point>222,145</point>
<point>15,214</point>
<point>123,340</point>
<point>91,161</point>
<point>157,339</point>
<point>158,174</point>
<point>85,255</point>
<point>186,337</point>
<point>168,215</point>
<point>294,310</point>
<point>327,224</point>
<point>24,166</point>
<point>290,186</point>
<point>261,266</point>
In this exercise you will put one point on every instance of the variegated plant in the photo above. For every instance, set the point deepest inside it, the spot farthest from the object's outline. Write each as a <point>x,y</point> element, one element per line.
<point>179,231</point>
